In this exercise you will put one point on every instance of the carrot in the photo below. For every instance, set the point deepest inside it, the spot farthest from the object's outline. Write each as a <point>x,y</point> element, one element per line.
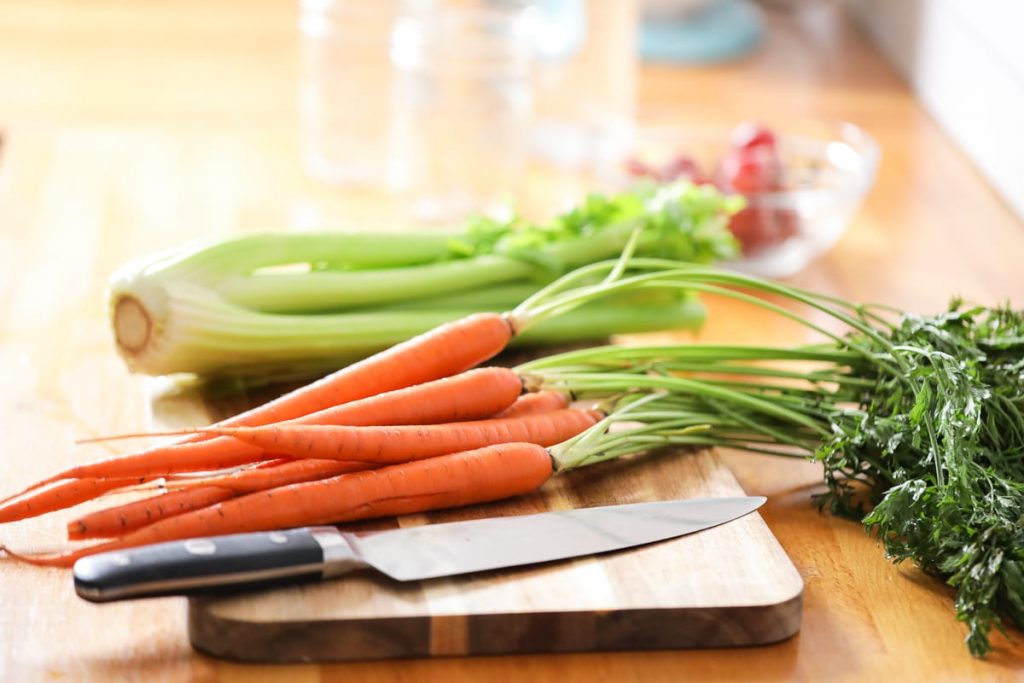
<point>470,395</point>
<point>262,478</point>
<point>200,493</point>
<point>540,402</point>
<point>454,480</point>
<point>139,513</point>
<point>442,352</point>
<point>385,445</point>
<point>63,495</point>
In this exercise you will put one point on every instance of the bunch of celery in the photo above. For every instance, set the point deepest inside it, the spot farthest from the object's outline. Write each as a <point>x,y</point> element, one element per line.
<point>290,304</point>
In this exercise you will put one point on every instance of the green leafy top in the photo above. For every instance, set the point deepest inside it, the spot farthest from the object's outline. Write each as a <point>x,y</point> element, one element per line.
<point>941,450</point>
<point>679,221</point>
<point>918,421</point>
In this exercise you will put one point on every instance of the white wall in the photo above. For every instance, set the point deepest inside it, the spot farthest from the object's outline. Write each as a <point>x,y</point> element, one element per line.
<point>965,61</point>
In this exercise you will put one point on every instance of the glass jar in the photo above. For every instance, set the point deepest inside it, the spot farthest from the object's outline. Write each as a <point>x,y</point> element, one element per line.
<point>345,87</point>
<point>463,104</point>
<point>585,76</point>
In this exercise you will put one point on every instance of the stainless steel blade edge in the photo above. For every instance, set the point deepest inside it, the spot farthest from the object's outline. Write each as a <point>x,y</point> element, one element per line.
<point>432,551</point>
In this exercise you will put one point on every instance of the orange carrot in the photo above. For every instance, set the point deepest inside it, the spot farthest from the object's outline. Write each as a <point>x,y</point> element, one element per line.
<point>442,352</point>
<point>262,478</point>
<point>201,493</point>
<point>540,402</point>
<point>470,395</point>
<point>63,495</point>
<point>454,480</point>
<point>383,445</point>
<point>139,513</point>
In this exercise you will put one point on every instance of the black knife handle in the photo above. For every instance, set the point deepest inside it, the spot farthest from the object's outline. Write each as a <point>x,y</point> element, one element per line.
<point>204,565</point>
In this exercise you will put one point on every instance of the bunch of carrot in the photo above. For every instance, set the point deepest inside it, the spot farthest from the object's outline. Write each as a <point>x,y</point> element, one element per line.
<point>412,428</point>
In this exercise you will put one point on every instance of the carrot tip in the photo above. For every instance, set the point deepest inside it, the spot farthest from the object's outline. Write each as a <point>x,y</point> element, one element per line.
<point>52,560</point>
<point>34,487</point>
<point>10,553</point>
<point>104,439</point>
<point>13,555</point>
<point>138,435</point>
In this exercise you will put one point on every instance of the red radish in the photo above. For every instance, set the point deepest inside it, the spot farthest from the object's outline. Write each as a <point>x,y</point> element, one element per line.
<point>751,134</point>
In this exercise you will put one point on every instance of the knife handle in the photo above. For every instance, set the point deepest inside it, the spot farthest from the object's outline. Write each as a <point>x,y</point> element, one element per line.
<point>215,564</point>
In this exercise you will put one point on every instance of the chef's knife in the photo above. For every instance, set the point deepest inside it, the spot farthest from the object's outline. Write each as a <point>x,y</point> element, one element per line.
<point>246,561</point>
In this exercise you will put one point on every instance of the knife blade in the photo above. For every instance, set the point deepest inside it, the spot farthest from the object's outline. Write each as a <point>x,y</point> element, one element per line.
<point>255,560</point>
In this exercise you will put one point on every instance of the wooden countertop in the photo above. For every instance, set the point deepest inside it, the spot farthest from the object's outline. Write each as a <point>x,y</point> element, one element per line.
<point>133,126</point>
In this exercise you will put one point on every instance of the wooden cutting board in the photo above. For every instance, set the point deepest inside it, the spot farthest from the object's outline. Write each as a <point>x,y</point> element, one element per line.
<point>727,586</point>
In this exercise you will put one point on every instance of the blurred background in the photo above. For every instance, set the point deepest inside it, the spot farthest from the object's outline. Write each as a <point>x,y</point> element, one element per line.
<point>381,114</point>
<point>877,144</point>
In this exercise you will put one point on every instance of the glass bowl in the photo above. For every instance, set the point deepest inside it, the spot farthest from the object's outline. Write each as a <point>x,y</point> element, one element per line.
<point>819,178</point>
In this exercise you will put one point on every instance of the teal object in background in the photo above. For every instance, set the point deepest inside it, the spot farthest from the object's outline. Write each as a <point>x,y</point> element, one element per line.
<point>725,29</point>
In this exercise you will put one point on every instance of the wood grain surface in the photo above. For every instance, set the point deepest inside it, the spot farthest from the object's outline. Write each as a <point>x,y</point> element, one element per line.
<point>727,586</point>
<point>132,126</point>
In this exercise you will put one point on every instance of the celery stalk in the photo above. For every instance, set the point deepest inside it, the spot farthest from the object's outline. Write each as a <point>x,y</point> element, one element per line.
<point>334,290</point>
<point>277,301</point>
<point>326,290</point>
<point>209,336</point>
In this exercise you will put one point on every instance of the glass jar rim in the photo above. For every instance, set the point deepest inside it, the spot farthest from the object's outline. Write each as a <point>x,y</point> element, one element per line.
<point>492,37</point>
